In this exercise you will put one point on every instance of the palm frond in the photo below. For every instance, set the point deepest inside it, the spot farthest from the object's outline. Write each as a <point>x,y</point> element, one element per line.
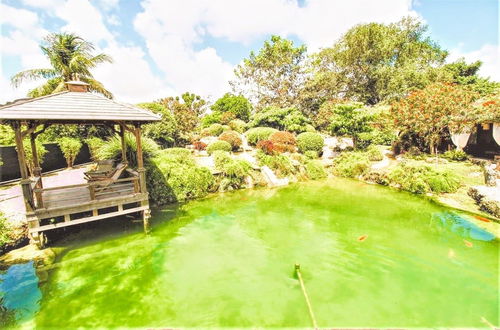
<point>48,88</point>
<point>33,74</point>
<point>96,86</point>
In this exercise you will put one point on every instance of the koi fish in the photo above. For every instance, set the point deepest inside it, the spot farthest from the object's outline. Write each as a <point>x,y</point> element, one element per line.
<point>481,218</point>
<point>467,243</point>
<point>362,238</point>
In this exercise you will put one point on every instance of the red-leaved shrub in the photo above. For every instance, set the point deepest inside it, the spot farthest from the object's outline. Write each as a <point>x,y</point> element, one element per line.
<point>198,145</point>
<point>267,147</point>
<point>283,142</point>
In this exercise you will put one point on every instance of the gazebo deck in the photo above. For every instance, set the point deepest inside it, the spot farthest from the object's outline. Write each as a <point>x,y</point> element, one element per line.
<point>74,204</point>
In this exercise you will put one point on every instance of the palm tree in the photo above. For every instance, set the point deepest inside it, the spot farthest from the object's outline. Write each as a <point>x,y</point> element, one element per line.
<point>71,58</point>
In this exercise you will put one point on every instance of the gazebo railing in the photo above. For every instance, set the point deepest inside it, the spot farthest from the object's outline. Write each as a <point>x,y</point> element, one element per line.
<point>87,192</point>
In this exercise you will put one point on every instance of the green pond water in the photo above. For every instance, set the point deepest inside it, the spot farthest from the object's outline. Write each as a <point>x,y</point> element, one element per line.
<point>228,261</point>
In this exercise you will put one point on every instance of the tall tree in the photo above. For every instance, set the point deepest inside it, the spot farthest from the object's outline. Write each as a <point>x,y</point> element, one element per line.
<point>71,58</point>
<point>375,62</point>
<point>465,74</point>
<point>273,76</point>
<point>185,116</point>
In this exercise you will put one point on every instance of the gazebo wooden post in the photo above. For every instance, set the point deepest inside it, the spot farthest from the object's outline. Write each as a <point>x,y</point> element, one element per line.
<point>37,170</point>
<point>142,176</point>
<point>25,181</point>
<point>124,144</point>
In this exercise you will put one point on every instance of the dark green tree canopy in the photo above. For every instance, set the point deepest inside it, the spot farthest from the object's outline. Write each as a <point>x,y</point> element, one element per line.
<point>273,76</point>
<point>71,58</point>
<point>461,73</point>
<point>376,62</point>
<point>236,104</point>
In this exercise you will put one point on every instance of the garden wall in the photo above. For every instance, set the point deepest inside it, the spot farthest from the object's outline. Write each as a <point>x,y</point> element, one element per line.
<point>53,160</point>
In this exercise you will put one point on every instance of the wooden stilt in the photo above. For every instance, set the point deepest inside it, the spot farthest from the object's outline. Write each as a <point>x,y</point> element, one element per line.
<point>142,178</point>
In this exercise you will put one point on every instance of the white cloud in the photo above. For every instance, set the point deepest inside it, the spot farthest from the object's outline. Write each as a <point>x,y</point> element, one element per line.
<point>488,54</point>
<point>173,31</point>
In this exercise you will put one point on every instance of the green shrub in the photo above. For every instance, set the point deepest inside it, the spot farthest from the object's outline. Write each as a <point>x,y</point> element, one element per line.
<point>376,136</point>
<point>210,119</point>
<point>374,153</point>
<point>7,136</point>
<point>112,149</point>
<point>286,119</point>
<point>70,148</point>
<point>40,151</point>
<point>233,171</point>
<point>311,154</point>
<point>256,134</point>
<point>218,145</point>
<point>238,125</point>
<point>456,155</point>
<point>213,130</point>
<point>232,138</point>
<point>94,144</point>
<point>421,179</point>
<point>315,170</point>
<point>376,176</point>
<point>5,232</point>
<point>351,164</point>
<point>283,141</point>
<point>310,141</point>
<point>281,164</point>
<point>174,176</point>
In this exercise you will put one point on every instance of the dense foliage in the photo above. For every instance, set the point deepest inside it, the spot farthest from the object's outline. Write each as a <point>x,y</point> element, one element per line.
<point>164,132</point>
<point>309,141</point>
<point>315,170</point>
<point>256,134</point>
<point>422,179</point>
<point>237,105</point>
<point>274,75</point>
<point>112,149</point>
<point>281,164</point>
<point>233,171</point>
<point>219,145</point>
<point>351,164</point>
<point>173,176</point>
<point>40,151</point>
<point>288,119</point>
<point>213,130</point>
<point>434,110</point>
<point>232,138</point>
<point>94,144</point>
<point>70,148</point>
<point>283,141</point>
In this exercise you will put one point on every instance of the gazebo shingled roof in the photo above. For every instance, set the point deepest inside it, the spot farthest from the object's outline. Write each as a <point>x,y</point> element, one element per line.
<point>77,107</point>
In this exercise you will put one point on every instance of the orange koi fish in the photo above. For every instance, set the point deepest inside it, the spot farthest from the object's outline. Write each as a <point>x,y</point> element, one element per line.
<point>468,244</point>
<point>362,238</point>
<point>481,218</point>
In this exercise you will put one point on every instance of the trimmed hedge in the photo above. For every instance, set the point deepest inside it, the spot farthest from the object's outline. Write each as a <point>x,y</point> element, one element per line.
<point>218,145</point>
<point>256,134</point>
<point>310,141</point>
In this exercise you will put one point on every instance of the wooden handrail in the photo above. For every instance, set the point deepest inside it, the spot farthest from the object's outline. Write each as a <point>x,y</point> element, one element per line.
<point>84,185</point>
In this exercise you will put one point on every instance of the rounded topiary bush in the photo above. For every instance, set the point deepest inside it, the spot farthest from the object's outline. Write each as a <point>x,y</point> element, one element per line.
<point>256,134</point>
<point>213,130</point>
<point>374,153</point>
<point>232,138</point>
<point>218,145</point>
<point>237,125</point>
<point>310,141</point>
<point>283,141</point>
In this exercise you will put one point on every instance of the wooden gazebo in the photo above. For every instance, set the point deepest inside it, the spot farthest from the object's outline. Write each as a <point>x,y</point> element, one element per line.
<point>56,207</point>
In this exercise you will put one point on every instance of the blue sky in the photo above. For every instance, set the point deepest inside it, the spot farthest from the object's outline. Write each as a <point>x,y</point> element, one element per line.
<point>165,47</point>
